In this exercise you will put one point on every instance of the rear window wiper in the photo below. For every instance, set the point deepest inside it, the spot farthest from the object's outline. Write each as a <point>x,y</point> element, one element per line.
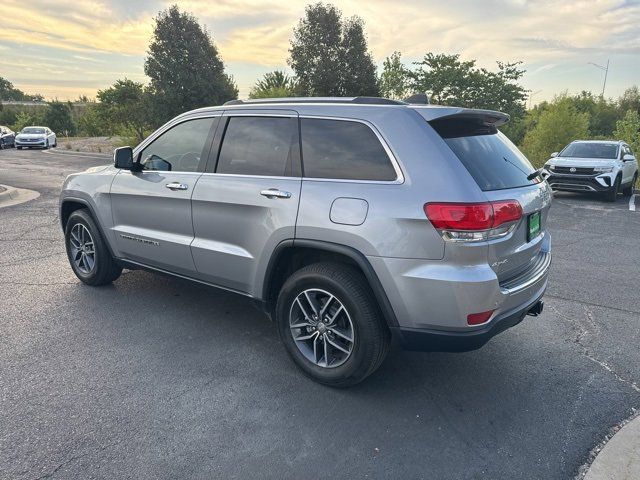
<point>537,173</point>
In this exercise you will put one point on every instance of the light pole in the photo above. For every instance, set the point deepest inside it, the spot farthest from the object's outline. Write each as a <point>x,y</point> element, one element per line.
<point>533,95</point>
<point>606,72</point>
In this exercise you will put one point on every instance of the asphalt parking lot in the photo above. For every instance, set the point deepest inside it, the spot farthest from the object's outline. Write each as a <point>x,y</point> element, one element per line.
<point>155,377</point>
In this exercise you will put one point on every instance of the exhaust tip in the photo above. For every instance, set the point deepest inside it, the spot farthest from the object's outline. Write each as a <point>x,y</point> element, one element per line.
<point>536,309</point>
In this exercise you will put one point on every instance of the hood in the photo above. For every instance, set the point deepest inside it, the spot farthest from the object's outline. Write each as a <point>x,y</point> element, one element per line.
<point>97,169</point>
<point>581,162</point>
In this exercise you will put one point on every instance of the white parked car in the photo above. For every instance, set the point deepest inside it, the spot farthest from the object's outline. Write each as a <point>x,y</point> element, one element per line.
<point>593,166</point>
<point>41,137</point>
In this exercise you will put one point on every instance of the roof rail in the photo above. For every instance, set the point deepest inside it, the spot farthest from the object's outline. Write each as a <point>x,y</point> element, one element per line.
<point>356,100</point>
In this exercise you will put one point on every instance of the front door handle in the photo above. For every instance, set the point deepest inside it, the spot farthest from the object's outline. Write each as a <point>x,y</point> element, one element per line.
<point>275,193</point>
<point>176,186</point>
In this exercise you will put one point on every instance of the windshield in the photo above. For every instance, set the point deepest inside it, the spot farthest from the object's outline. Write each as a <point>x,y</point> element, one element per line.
<point>32,130</point>
<point>492,160</point>
<point>590,150</point>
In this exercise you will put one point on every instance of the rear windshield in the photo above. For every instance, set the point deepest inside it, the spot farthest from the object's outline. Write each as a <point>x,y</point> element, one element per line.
<point>32,130</point>
<point>492,160</point>
<point>590,150</point>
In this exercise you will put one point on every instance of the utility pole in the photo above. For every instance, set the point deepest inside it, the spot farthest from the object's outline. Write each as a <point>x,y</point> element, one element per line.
<point>606,72</point>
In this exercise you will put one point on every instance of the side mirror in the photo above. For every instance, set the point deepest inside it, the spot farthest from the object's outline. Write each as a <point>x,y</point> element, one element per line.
<point>628,158</point>
<point>123,158</point>
<point>554,154</point>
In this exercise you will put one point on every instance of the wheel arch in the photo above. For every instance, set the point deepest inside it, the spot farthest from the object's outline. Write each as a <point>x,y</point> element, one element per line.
<point>291,255</point>
<point>71,204</point>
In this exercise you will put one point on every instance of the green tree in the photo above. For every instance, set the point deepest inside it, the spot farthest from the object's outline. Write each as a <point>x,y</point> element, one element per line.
<point>329,55</point>
<point>358,69</point>
<point>603,113</point>
<point>274,84</point>
<point>24,119</point>
<point>450,81</point>
<point>394,80</point>
<point>629,100</point>
<point>10,93</point>
<point>90,123</point>
<point>57,117</point>
<point>124,108</point>
<point>628,129</point>
<point>558,124</point>
<point>184,66</point>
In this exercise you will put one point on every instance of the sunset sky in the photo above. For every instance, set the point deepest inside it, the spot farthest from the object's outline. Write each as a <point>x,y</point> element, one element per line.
<point>63,49</point>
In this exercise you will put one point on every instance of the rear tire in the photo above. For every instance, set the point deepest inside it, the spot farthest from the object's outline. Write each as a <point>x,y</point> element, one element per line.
<point>353,312</point>
<point>87,251</point>
<point>611,195</point>
<point>628,191</point>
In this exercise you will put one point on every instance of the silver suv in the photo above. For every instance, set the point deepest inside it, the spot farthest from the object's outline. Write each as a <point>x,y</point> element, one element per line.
<point>350,220</point>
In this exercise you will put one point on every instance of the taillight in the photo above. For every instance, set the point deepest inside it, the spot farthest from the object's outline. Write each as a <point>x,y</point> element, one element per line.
<point>506,211</point>
<point>472,222</point>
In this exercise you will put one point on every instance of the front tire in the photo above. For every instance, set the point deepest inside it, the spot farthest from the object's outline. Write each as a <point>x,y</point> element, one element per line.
<point>611,195</point>
<point>87,251</point>
<point>628,191</point>
<point>19,148</point>
<point>331,325</point>
<point>46,145</point>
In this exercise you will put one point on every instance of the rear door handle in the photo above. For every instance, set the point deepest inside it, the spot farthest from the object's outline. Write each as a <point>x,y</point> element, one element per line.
<point>275,193</point>
<point>176,186</point>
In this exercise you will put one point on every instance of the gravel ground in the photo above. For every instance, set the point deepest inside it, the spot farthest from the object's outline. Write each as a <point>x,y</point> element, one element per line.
<point>90,144</point>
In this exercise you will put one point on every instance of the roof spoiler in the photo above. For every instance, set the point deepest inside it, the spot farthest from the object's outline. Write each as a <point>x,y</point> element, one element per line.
<point>487,117</point>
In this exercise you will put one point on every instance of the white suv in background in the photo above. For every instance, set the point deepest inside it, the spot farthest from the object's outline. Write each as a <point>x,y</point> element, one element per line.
<point>594,166</point>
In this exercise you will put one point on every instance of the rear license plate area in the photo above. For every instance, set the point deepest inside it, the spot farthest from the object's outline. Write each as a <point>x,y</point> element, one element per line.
<point>533,225</point>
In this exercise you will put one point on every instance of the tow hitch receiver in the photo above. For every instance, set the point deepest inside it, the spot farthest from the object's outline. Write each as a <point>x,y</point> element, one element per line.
<point>536,309</point>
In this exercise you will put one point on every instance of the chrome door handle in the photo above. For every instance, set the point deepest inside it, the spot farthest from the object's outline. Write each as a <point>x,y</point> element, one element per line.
<point>275,193</point>
<point>176,186</point>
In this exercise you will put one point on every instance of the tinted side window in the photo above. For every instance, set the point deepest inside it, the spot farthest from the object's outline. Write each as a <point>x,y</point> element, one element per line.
<point>179,149</point>
<point>341,149</point>
<point>259,146</point>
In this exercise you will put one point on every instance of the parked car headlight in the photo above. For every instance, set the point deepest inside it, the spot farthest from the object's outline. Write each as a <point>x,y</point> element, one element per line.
<point>603,169</point>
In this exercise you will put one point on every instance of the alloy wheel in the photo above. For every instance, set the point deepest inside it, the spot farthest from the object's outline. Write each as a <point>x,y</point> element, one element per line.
<point>321,328</point>
<point>83,251</point>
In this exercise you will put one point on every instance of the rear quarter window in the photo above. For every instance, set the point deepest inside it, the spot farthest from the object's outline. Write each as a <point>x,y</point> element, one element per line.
<point>488,155</point>
<point>343,149</point>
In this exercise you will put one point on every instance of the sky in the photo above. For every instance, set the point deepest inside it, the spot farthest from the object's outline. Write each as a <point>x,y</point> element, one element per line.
<point>64,49</point>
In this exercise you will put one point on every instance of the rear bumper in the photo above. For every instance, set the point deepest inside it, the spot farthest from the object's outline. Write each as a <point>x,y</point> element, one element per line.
<point>441,341</point>
<point>432,300</point>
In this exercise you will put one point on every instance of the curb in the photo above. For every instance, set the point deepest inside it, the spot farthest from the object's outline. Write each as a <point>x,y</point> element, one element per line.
<point>6,192</point>
<point>619,459</point>
<point>13,196</point>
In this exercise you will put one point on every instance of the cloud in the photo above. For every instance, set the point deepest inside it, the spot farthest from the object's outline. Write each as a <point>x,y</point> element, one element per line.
<point>254,34</point>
